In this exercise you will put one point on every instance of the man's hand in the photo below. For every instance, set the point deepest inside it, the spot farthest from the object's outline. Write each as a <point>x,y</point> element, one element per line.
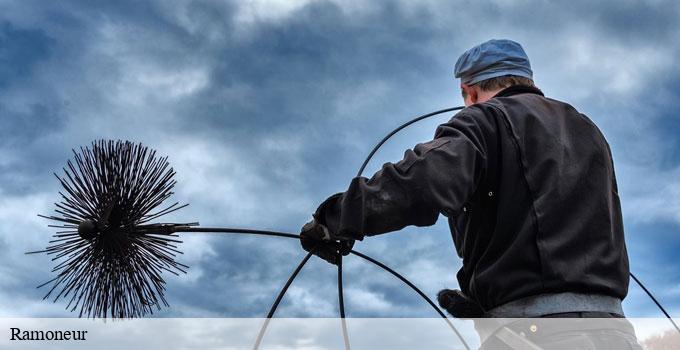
<point>458,304</point>
<point>316,238</point>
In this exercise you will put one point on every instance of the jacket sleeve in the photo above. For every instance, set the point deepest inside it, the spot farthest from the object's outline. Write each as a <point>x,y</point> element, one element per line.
<point>435,177</point>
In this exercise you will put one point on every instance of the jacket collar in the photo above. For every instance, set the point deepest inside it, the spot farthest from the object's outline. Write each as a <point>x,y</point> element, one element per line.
<point>519,89</point>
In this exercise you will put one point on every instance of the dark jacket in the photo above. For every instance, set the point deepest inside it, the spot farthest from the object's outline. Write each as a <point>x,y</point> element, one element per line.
<point>528,186</point>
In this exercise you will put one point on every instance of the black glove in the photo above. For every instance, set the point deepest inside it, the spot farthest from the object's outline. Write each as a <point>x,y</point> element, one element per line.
<point>458,304</point>
<point>316,238</point>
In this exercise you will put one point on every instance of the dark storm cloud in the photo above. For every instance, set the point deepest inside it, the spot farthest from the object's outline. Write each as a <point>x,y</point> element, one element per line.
<point>20,135</point>
<point>38,120</point>
<point>20,50</point>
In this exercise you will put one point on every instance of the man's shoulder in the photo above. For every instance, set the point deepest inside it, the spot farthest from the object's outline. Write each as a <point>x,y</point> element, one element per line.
<point>536,105</point>
<point>476,119</point>
<point>535,113</point>
<point>480,112</point>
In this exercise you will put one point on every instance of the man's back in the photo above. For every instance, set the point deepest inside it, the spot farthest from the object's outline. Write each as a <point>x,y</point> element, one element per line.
<point>546,216</point>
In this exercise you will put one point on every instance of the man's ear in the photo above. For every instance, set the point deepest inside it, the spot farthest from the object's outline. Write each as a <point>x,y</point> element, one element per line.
<point>472,94</point>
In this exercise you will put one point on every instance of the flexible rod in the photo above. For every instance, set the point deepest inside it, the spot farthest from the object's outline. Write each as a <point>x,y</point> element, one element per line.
<point>341,304</point>
<point>416,289</point>
<point>283,291</point>
<point>359,173</point>
<point>655,301</point>
<point>234,230</point>
<point>398,129</point>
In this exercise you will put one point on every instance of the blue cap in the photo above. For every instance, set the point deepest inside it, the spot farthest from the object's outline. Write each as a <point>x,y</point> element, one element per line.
<point>491,59</point>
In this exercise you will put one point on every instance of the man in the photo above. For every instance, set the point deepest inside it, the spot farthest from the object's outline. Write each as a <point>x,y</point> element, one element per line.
<point>528,186</point>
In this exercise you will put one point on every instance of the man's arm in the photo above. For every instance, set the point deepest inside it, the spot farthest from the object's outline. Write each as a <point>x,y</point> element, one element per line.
<point>435,177</point>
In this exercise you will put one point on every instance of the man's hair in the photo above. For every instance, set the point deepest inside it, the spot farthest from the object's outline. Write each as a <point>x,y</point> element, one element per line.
<point>501,83</point>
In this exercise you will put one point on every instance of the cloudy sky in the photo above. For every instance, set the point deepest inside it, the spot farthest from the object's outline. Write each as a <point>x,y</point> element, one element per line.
<point>266,107</point>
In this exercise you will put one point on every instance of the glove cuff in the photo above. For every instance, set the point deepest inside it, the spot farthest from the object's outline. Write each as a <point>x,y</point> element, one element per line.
<point>329,213</point>
<point>327,207</point>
